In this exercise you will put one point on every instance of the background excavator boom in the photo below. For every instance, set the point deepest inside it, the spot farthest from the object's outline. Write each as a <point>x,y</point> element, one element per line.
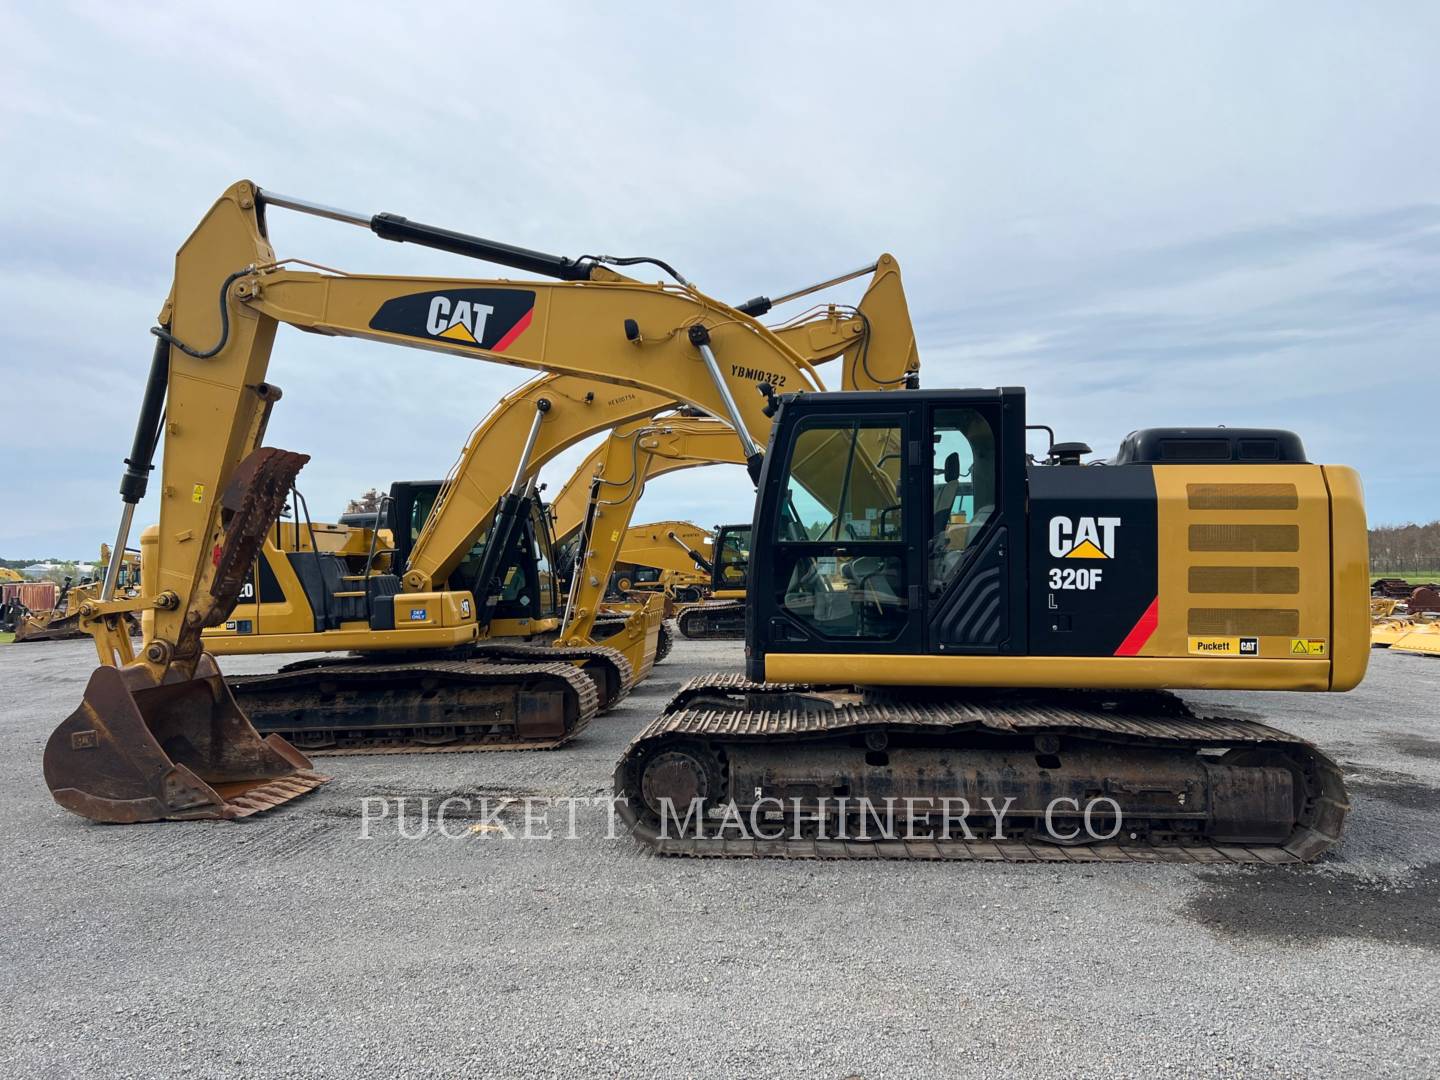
<point>220,491</point>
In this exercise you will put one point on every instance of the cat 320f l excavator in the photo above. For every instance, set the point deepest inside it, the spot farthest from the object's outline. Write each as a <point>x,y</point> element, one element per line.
<point>983,631</point>
<point>159,735</point>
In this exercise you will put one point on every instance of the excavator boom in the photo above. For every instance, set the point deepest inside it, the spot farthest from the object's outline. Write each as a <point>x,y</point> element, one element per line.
<point>209,398</point>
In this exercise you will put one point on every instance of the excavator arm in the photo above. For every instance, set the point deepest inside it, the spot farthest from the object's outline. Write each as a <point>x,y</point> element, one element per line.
<point>230,296</point>
<point>209,397</point>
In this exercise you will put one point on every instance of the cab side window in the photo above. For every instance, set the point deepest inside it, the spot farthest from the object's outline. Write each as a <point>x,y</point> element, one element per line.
<point>964,487</point>
<point>733,559</point>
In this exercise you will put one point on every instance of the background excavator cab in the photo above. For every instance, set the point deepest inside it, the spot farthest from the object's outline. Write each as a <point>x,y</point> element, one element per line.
<point>732,560</point>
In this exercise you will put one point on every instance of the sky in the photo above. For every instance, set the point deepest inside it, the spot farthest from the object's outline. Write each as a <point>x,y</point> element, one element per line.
<point>1147,214</point>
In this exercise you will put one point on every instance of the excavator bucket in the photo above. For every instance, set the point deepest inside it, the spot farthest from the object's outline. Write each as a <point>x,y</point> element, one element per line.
<point>174,745</point>
<point>1421,637</point>
<point>139,751</point>
<point>1384,633</point>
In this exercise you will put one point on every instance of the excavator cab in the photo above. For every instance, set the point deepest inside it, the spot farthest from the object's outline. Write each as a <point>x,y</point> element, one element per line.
<point>522,590</point>
<point>912,540</point>
<point>722,617</point>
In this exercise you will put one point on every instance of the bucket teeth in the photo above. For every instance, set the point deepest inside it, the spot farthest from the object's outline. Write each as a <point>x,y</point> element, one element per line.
<point>137,750</point>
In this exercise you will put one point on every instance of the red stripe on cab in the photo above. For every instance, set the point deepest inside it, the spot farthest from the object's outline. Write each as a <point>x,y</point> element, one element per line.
<point>1141,631</point>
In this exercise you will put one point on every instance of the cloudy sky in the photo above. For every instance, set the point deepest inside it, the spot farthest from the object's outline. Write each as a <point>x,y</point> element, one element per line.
<point>1151,214</point>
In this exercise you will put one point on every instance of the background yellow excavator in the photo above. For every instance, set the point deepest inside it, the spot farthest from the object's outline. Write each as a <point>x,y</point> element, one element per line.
<point>159,735</point>
<point>612,480</point>
<point>669,557</point>
<point>314,585</point>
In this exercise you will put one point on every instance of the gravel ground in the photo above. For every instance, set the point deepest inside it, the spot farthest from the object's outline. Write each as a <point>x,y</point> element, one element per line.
<point>289,945</point>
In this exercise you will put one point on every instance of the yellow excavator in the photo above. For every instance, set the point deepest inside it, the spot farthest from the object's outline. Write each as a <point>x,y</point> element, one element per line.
<point>990,631</point>
<point>669,557</point>
<point>485,533</point>
<point>938,619</point>
<point>613,478</point>
<point>159,735</point>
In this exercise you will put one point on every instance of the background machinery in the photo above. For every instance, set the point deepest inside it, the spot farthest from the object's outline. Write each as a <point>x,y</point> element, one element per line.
<point>61,620</point>
<point>722,614</point>
<point>612,480</point>
<point>669,557</point>
<point>158,734</point>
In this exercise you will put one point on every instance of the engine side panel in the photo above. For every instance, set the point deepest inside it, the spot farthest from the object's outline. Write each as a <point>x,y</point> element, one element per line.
<point>1093,558</point>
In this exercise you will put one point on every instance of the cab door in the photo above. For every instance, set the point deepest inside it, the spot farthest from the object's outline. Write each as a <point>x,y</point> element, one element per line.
<point>835,557</point>
<point>973,575</point>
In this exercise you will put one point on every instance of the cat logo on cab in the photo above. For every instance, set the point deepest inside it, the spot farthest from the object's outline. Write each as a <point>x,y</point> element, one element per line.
<point>1083,538</point>
<point>1080,538</point>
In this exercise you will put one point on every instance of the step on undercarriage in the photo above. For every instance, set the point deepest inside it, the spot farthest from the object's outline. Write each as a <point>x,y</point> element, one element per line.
<point>810,772</point>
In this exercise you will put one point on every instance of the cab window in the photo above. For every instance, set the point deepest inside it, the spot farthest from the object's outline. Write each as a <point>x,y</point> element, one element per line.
<point>733,559</point>
<point>839,551</point>
<point>844,484</point>
<point>963,490</point>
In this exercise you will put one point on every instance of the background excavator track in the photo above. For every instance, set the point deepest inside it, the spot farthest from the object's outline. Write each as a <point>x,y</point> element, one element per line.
<point>713,620</point>
<point>611,672</point>
<point>354,707</point>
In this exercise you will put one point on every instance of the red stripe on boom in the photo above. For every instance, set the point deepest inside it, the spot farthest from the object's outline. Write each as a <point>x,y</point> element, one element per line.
<point>515,331</point>
<point>1141,631</point>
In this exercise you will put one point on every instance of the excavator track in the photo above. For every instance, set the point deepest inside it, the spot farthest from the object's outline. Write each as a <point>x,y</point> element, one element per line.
<point>666,642</point>
<point>339,706</point>
<point>1188,788</point>
<point>607,667</point>
<point>713,620</point>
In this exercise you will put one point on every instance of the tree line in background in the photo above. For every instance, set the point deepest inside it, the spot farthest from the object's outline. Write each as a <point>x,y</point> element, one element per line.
<point>1395,548</point>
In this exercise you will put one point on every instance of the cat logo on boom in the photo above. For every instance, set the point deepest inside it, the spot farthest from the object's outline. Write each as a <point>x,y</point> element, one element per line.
<point>1083,538</point>
<point>483,318</point>
<point>459,320</point>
